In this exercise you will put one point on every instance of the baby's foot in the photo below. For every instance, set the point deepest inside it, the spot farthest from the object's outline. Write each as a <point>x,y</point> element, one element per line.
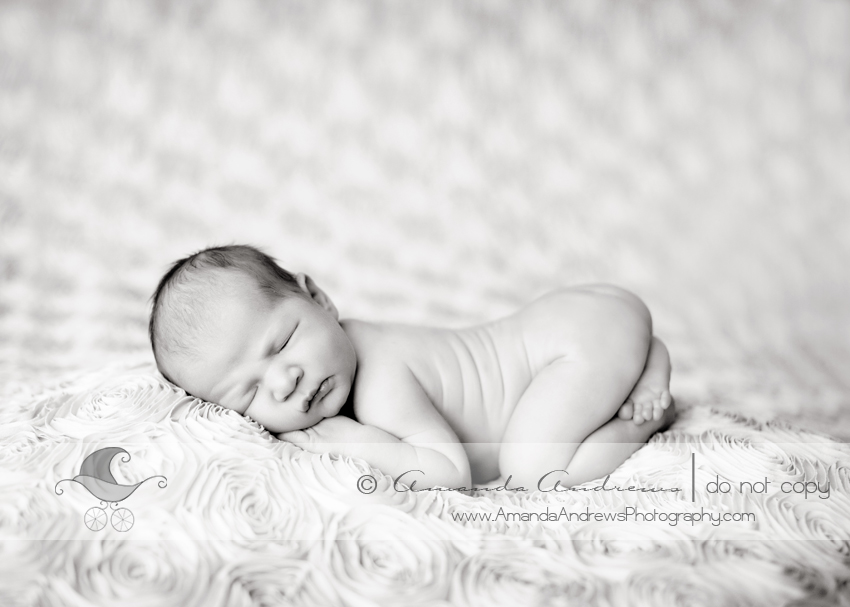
<point>645,403</point>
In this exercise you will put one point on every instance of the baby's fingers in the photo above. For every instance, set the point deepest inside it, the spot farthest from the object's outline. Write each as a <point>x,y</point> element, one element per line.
<point>306,439</point>
<point>296,436</point>
<point>312,440</point>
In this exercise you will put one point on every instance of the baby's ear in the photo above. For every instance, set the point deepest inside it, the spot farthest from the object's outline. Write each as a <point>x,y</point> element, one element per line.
<point>316,294</point>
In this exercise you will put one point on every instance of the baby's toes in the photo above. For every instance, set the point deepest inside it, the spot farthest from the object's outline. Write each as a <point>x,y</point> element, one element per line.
<point>657,410</point>
<point>627,411</point>
<point>640,413</point>
<point>666,399</point>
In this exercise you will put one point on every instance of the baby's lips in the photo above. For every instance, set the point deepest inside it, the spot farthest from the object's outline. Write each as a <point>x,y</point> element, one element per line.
<point>320,392</point>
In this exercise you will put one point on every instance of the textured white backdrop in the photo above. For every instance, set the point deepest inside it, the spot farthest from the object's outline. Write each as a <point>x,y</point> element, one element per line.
<point>442,163</point>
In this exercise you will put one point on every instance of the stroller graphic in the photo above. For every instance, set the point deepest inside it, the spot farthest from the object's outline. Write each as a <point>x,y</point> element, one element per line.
<point>96,477</point>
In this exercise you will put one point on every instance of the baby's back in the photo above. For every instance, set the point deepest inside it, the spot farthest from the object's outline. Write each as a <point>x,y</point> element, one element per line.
<point>475,376</point>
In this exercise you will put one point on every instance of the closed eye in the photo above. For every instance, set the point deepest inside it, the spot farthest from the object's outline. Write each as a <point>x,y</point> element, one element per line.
<point>287,339</point>
<point>280,349</point>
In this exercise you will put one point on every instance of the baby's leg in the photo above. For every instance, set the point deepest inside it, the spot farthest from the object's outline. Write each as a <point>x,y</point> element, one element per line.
<point>651,395</point>
<point>566,403</point>
<point>604,450</point>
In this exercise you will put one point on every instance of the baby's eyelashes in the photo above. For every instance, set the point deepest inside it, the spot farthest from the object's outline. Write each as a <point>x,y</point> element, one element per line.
<point>275,349</point>
<point>286,341</point>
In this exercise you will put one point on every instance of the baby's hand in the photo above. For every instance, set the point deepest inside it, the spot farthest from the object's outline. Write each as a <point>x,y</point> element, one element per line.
<point>328,436</point>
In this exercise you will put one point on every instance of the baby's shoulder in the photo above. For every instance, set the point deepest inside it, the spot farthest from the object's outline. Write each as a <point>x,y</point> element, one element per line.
<point>386,351</point>
<point>388,385</point>
<point>379,342</point>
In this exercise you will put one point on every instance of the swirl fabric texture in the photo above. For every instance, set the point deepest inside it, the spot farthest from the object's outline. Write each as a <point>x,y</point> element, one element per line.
<point>247,518</point>
<point>439,163</point>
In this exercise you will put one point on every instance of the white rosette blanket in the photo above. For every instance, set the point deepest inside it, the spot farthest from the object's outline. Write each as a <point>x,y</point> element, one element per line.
<point>246,519</point>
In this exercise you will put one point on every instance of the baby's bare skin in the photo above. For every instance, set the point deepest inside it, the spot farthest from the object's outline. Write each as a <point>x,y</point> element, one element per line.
<point>476,378</point>
<point>540,390</point>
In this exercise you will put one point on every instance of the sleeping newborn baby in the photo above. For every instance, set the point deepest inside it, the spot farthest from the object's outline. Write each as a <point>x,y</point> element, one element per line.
<point>562,391</point>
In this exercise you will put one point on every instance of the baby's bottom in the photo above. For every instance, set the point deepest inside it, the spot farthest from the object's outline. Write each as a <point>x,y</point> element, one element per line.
<point>567,420</point>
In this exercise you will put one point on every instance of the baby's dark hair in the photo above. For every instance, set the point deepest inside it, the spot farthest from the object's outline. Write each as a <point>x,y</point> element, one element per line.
<point>174,303</point>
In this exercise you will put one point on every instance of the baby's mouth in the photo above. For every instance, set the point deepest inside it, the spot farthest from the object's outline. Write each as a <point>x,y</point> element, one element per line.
<point>319,393</point>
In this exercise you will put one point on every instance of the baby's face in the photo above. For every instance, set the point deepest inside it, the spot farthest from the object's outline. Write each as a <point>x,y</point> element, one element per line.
<point>287,365</point>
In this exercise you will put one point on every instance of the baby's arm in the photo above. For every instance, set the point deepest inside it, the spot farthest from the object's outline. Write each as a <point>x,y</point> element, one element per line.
<point>432,456</point>
<point>401,431</point>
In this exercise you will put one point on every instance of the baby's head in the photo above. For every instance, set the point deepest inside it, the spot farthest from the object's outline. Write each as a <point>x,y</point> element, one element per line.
<point>230,326</point>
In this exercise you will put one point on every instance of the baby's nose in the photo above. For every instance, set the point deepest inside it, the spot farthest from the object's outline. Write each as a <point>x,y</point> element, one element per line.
<point>285,383</point>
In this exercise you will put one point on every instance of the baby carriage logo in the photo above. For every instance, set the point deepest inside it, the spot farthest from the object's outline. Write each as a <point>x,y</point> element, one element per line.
<point>96,477</point>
